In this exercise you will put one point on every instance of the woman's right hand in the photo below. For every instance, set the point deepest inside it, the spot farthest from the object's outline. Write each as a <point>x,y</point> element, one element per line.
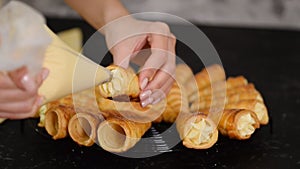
<point>19,97</point>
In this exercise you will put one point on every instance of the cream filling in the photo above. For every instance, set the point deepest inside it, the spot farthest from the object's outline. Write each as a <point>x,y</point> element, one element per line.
<point>114,86</point>
<point>200,132</point>
<point>245,125</point>
<point>42,114</point>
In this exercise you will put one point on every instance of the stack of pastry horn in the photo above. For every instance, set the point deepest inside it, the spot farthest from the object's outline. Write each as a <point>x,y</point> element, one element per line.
<point>239,105</point>
<point>109,114</point>
<point>201,105</point>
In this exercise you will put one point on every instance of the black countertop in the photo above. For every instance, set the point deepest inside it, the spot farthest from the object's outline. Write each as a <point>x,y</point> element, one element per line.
<point>268,58</point>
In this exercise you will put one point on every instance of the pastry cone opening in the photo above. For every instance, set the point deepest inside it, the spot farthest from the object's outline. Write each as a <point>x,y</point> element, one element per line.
<point>200,134</point>
<point>81,129</point>
<point>111,136</point>
<point>246,125</point>
<point>238,123</point>
<point>57,119</point>
<point>123,82</point>
<point>52,123</point>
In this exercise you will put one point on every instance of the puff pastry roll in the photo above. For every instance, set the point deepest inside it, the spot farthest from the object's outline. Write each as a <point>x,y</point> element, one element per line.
<point>256,106</point>
<point>83,128</point>
<point>219,88</point>
<point>131,110</point>
<point>206,102</point>
<point>183,73</point>
<point>196,130</point>
<point>119,135</point>
<point>123,82</point>
<point>176,103</point>
<point>57,119</point>
<point>204,78</point>
<point>238,123</point>
<point>58,113</point>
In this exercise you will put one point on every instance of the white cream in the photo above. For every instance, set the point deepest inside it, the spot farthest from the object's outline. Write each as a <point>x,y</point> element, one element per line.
<point>200,132</point>
<point>245,125</point>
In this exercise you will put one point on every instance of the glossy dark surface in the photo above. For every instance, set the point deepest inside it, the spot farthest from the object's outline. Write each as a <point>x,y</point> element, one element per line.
<point>268,58</point>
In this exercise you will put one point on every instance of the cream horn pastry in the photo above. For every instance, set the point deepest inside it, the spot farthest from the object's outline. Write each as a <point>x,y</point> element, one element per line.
<point>231,83</point>
<point>176,103</point>
<point>83,128</point>
<point>204,78</point>
<point>240,89</point>
<point>238,123</point>
<point>130,109</point>
<point>246,88</point>
<point>183,73</point>
<point>123,82</point>
<point>196,130</point>
<point>206,102</point>
<point>119,135</point>
<point>58,113</point>
<point>256,106</point>
<point>65,101</point>
<point>57,119</point>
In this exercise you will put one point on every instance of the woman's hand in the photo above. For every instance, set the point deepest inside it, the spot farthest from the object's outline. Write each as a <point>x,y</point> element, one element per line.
<point>150,45</point>
<point>19,93</point>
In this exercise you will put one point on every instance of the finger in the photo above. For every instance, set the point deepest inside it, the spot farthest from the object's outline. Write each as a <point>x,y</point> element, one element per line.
<point>161,77</point>
<point>156,95</point>
<point>6,82</point>
<point>23,114</point>
<point>22,79</point>
<point>14,95</point>
<point>159,48</point>
<point>19,106</point>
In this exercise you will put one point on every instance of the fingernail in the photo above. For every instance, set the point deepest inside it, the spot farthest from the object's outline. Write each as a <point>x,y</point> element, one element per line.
<point>145,94</point>
<point>144,83</point>
<point>25,79</point>
<point>45,74</point>
<point>27,83</point>
<point>156,101</point>
<point>147,102</point>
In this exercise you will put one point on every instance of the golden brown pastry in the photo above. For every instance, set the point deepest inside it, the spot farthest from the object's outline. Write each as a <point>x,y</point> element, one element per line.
<point>57,119</point>
<point>131,110</point>
<point>219,88</point>
<point>246,88</point>
<point>196,130</point>
<point>83,128</point>
<point>238,123</point>
<point>65,101</point>
<point>176,103</point>
<point>183,73</point>
<point>206,102</point>
<point>123,82</point>
<point>237,81</point>
<point>168,115</point>
<point>119,135</point>
<point>204,78</point>
<point>58,113</point>
<point>256,106</point>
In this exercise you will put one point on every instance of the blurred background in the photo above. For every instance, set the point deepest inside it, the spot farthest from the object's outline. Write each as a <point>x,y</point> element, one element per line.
<point>282,14</point>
